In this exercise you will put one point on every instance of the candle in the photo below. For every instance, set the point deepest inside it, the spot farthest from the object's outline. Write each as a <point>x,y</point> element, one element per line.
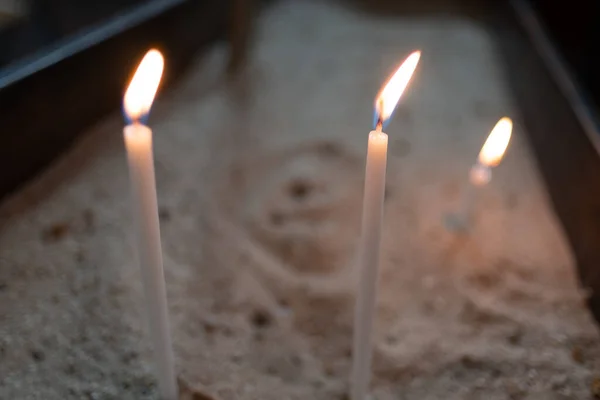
<point>138,141</point>
<point>490,156</point>
<point>368,249</point>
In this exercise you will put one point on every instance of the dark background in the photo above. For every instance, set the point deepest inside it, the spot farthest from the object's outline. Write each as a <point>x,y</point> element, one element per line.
<point>48,21</point>
<point>574,28</point>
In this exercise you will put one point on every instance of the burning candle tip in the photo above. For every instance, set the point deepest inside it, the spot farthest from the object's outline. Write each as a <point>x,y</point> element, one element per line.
<point>495,145</point>
<point>388,97</point>
<point>143,87</point>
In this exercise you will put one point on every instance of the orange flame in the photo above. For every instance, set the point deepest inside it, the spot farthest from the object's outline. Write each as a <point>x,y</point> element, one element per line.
<point>390,94</point>
<point>143,86</point>
<point>494,147</point>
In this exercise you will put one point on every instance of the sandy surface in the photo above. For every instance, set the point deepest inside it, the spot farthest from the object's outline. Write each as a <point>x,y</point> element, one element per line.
<point>260,189</point>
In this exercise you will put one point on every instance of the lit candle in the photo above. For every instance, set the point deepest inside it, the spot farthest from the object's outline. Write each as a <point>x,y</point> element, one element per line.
<point>490,156</point>
<point>368,249</point>
<point>138,141</point>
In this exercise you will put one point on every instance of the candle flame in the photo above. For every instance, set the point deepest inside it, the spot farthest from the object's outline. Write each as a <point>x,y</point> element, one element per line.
<point>494,147</point>
<point>390,94</point>
<point>143,86</point>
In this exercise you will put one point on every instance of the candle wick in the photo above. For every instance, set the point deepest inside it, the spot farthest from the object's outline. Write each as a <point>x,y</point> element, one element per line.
<point>379,125</point>
<point>138,121</point>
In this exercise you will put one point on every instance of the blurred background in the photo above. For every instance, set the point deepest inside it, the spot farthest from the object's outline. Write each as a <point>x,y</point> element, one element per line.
<point>250,124</point>
<point>55,52</point>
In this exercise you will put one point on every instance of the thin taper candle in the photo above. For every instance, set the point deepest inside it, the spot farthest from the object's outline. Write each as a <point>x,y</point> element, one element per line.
<point>368,260</point>
<point>370,241</point>
<point>479,176</point>
<point>490,156</point>
<point>138,142</point>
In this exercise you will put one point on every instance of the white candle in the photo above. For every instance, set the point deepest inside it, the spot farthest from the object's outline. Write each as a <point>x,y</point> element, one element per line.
<point>490,156</point>
<point>138,141</point>
<point>369,245</point>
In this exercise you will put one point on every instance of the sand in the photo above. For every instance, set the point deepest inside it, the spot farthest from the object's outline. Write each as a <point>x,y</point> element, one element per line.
<point>260,183</point>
